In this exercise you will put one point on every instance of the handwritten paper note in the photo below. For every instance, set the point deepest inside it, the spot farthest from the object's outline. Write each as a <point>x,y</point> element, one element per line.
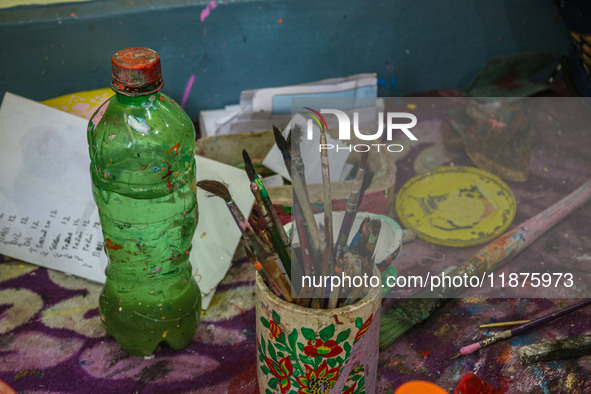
<point>48,217</point>
<point>46,209</point>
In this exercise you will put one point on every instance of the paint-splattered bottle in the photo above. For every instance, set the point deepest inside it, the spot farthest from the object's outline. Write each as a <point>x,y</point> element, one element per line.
<point>141,147</point>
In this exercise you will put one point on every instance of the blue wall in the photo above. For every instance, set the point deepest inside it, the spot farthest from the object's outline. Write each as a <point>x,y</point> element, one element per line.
<point>424,44</point>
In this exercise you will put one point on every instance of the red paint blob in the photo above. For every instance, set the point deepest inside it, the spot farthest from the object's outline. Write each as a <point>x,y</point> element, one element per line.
<point>472,384</point>
<point>112,245</point>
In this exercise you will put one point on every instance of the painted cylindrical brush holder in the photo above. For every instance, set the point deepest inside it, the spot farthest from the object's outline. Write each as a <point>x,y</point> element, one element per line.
<point>311,350</point>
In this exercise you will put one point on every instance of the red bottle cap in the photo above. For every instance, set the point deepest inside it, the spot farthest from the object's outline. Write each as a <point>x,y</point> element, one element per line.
<point>136,71</point>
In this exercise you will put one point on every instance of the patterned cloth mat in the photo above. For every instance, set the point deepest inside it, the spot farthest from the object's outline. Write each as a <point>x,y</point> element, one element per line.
<point>52,341</point>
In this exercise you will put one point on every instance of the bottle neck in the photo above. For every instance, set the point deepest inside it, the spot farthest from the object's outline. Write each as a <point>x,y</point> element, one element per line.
<point>136,100</point>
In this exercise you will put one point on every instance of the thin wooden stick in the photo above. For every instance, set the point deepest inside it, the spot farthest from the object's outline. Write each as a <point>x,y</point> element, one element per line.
<point>350,213</point>
<point>503,324</point>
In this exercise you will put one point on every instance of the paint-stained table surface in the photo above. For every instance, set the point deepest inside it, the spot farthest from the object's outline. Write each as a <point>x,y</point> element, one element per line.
<point>51,338</point>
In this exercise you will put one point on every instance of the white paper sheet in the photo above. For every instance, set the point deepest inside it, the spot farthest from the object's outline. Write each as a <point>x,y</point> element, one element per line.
<point>259,109</point>
<point>277,100</point>
<point>48,217</point>
<point>217,235</point>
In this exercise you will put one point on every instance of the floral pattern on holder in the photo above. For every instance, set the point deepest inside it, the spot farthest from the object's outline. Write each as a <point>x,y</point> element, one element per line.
<point>309,362</point>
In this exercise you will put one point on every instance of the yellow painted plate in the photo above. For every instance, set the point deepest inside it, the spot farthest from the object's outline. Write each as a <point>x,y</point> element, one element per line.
<point>83,104</point>
<point>456,206</point>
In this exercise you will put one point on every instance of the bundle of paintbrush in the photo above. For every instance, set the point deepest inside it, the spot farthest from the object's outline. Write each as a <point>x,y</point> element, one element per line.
<point>260,248</point>
<point>318,256</point>
<point>283,266</point>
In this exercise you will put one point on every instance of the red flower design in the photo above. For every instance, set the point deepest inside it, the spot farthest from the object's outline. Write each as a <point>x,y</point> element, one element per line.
<point>351,389</point>
<point>282,370</point>
<point>363,328</point>
<point>326,349</point>
<point>275,329</point>
<point>319,381</point>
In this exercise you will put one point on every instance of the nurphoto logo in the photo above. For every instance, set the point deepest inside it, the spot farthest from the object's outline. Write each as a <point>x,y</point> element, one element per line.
<point>392,125</point>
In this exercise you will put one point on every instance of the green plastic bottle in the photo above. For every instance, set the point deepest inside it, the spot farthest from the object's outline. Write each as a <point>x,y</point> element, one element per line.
<point>141,146</point>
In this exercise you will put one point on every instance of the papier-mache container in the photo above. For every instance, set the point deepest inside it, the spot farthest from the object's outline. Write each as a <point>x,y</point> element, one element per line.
<point>311,350</point>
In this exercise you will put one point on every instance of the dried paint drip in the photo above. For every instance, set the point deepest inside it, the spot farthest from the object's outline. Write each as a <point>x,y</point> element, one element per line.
<point>138,124</point>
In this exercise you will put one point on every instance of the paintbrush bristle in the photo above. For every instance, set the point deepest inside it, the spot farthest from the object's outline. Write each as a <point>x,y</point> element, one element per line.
<point>392,326</point>
<point>367,179</point>
<point>217,188</point>
<point>375,226</point>
<point>404,315</point>
<point>280,139</point>
<point>248,165</point>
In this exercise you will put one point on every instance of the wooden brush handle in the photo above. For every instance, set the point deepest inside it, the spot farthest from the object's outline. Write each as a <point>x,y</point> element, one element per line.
<point>545,319</point>
<point>278,278</point>
<point>501,250</point>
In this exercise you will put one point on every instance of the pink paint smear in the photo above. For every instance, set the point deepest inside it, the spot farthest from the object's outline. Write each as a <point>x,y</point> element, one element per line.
<point>187,91</point>
<point>206,11</point>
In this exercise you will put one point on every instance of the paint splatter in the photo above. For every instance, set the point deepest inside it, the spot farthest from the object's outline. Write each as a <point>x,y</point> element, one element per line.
<point>495,123</point>
<point>506,355</point>
<point>207,10</point>
<point>99,115</point>
<point>149,104</point>
<point>187,91</point>
<point>138,124</point>
<point>112,245</point>
<point>175,148</point>
<point>168,173</point>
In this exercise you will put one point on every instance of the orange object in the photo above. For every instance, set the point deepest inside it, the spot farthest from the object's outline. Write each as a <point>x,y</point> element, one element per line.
<point>420,387</point>
<point>5,388</point>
